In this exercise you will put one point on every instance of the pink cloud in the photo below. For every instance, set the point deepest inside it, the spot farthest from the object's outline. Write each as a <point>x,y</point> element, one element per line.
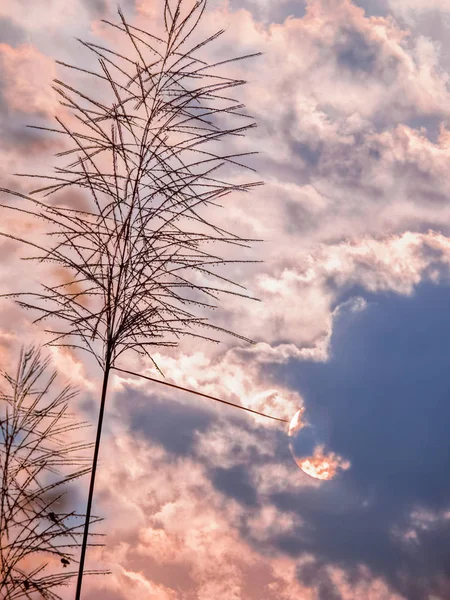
<point>27,77</point>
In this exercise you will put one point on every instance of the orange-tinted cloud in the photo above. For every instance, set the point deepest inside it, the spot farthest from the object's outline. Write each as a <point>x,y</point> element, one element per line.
<point>27,77</point>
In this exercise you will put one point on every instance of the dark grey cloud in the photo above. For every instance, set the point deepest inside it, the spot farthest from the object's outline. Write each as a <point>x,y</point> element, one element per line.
<point>95,7</point>
<point>235,482</point>
<point>29,146</point>
<point>431,123</point>
<point>18,137</point>
<point>167,422</point>
<point>101,8</point>
<point>388,372</point>
<point>176,426</point>
<point>11,33</point>
<point>374,8</point>
<point>309,153</point>
<point>271,12</point>
<point>384,396</point>
<point>355,52</point>
<point>312,574</point>
<point>298,218</point>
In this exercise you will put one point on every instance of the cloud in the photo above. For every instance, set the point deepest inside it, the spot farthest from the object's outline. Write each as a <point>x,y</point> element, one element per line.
<point>184,525</point>
<point>383,392</point>
<point>299,291</point>
<point>412,10</point>
<point>344,153</point>
<point>384,428</point>
<point>202,501</point>
<point>175,530</point>
<point>26,79</point>
<point>11,33</point>
<point>387,523</point>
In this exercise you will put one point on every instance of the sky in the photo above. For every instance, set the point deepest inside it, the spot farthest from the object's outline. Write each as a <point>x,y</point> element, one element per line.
<point>352,102</point>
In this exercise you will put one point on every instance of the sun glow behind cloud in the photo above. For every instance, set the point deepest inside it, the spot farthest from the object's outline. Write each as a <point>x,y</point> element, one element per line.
<point>322,463</point>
